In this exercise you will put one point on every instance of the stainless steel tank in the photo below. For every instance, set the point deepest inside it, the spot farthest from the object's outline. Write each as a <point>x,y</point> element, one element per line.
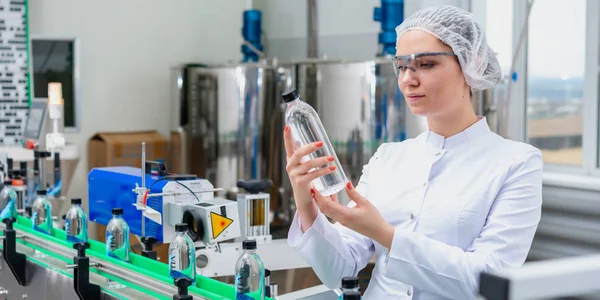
<point>360,106</point>
<point>228,124</point>
<point>491,103</point>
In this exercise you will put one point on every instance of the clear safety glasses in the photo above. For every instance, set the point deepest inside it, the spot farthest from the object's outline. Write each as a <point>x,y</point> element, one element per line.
<point>416,62</point>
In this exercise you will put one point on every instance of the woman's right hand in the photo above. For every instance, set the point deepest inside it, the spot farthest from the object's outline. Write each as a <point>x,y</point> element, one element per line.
<point>299,174</point>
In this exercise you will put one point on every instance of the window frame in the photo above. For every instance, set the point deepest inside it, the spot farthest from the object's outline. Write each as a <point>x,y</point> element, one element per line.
<point>76,76</point>
<point>586,176</point>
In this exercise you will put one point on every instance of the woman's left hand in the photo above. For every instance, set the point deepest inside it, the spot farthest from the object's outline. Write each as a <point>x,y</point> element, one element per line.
<point>363,218</point>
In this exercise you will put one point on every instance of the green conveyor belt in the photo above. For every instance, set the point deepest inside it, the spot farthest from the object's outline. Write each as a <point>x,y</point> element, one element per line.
<point>206,287</point>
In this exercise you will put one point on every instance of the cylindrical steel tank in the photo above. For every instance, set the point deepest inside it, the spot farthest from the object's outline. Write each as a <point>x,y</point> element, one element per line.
<point>360,106</point>
<point>228,125</point>
<point>491,103</point>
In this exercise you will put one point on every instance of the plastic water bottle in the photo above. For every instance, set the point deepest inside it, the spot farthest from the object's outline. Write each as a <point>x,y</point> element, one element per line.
<point>117,242</point>
<point>182,255</point>
<point>306,128</point>
<point>8,197</point>
<point>249,274</point>
<point>349,284</point>
<point>41,213</point>
<point>351,295</point>
<point>117,236</point>
<point>76,223</point>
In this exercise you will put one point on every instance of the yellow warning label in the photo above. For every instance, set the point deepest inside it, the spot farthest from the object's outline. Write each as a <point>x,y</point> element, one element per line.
<point>218,224</point>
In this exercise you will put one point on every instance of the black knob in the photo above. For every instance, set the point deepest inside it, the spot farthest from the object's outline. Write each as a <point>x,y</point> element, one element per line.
<point>149,242</point>
<point>81,248</point>
<point>9,223</point>
<point>255,186</point>
<point>182,284</point>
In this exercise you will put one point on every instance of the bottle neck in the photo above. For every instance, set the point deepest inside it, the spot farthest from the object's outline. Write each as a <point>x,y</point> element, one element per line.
<point>250,251</point>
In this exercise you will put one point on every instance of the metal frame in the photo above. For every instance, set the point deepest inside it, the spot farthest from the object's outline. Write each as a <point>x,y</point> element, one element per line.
<point>517,115</point>
<point>76,75</point>
<point>591,125</point>
<point>104,266</point>
<point>573,276</point>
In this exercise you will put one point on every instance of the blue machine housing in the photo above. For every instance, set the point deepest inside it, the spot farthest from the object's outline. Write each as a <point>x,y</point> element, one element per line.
<point>390,14</point>
<point>251,31</point>
<point>112,187</point>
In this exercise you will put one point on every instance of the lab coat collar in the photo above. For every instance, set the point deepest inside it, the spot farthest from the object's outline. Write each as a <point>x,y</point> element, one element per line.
<point>479,129</point>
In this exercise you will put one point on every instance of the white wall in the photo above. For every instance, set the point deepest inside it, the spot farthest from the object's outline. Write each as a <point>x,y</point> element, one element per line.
<point>127,48</point>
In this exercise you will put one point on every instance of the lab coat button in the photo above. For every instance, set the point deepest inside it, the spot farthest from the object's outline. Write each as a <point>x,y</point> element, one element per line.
<point>412,216</point>
<point>409,292</point>
<point>424,183</point>
<point>438,154</point>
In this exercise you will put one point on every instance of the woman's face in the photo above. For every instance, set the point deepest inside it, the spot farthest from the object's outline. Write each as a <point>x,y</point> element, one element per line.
<point>437,88</point>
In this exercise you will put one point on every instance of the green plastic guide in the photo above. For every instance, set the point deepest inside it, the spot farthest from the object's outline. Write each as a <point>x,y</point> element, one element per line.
<point>205,287</point>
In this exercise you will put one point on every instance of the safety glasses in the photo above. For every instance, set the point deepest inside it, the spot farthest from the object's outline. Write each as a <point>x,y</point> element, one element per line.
<point>416,62</point>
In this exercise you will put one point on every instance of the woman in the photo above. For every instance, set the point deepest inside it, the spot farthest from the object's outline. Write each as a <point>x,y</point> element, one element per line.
<point>435,210</point>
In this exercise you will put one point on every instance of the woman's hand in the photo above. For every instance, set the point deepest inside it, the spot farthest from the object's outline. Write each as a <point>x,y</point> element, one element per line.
<point>364,218</point>
<point>301,177</point>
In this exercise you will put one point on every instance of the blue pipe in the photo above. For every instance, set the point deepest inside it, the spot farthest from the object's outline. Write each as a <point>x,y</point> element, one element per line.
<point>251,31</point>
<point>390,14</point>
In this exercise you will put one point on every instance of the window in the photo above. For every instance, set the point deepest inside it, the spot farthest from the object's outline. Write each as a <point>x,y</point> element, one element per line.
<point>54,61</point>
<point>555,80</point>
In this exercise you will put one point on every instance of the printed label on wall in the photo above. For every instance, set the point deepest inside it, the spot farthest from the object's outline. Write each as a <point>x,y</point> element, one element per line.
<point>14,94</point>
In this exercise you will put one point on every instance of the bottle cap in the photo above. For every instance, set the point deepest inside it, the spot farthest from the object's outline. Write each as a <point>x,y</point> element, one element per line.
<point>181,227</point>
<point>349,282</point>
<point>249,245</point>
<point>76,201</point>
<point>351,295</point>
<point>7,182</point>
<point>117,211</point>
<point>290,95</point>
<point>41,192</point>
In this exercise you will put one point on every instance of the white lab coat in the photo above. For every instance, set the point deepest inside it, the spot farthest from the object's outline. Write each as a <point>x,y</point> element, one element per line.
<point>459,205</point>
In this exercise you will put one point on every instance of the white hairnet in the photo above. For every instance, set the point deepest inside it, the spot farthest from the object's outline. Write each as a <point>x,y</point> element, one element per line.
<point>458,29</point>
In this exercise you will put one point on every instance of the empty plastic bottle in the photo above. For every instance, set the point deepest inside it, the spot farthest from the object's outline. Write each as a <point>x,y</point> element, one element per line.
<point>41,213</point>
<point>306,128</point>
<point>117,236</point>
<point>249,274</point>
<point>351,295</point>
<point>76,223</point>
<point>8,198</point>
<point>182,255</point>
<point>349,284</point>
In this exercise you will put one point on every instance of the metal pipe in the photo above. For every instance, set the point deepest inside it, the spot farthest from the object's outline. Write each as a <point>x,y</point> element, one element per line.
<point>144,185</point>
<point>313,34</point>
<point>143,164</point>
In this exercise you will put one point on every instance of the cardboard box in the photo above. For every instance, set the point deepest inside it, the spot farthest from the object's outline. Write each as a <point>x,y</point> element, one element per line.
<point>107,149</point>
